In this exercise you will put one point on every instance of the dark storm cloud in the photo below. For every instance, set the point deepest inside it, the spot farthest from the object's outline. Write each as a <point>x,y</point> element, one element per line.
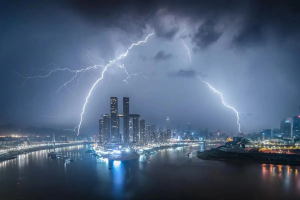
<point>256,17</point>
<point>161,55</point>
<point>189,73</point>
<point>166,34</point>
<point>206,34</point>
<point>278,18</point>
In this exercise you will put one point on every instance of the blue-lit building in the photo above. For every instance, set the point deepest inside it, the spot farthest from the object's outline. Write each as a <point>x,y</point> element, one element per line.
<point>276,133</point>
<point>267,134</point>
<point>296,127</point>
<point>285,128</point>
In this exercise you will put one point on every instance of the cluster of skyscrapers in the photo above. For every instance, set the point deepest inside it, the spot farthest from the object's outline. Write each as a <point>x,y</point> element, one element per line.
<point>134,129</point>
<point>289,128</point>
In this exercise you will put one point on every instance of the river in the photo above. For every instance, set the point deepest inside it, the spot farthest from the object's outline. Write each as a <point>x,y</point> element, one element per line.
<point>168,174</point>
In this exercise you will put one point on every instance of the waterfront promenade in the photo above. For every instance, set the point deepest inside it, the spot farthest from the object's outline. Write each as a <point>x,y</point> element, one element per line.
<point>13,152</point>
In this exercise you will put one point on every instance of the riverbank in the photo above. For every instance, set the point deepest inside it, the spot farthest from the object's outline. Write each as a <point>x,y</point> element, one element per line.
<point>258,157</point>
<point>13,154</point>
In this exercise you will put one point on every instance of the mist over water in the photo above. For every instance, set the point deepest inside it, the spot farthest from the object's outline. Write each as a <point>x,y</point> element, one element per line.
<point>167,174</point>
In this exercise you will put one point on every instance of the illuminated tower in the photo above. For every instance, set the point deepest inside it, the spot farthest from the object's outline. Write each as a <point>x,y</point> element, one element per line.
<point>296,127</point>
<point>285,128</point>
<point>136,129</point>
<point>106,127</point>
<point>130,129</point>
<point>126,118</point>
<point>168,129</point>
<point>153,134</point>
<point>161,134</point>
<point>189,127</point>
<point>143,136</point>
<point>101,136</point>
<point>115,135</point>
<point>148,131</point>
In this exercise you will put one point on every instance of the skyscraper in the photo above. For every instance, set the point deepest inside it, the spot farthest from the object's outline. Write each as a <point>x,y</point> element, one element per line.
<point>106,127</point>
<point>296,126</point>
<point>168,129</point>
<point>126,118</point>
<point>189,127</point>
<point>136,129</point>
<point>130,129</point>
<point>285,128</point>
<point>267,134</point>
<point>115,135</point>
<point>153,134</point>
<point>161,134</point>
<point>148,133</point>
<point>276,133</point>
<point>101,136</point>
<point>143,136</point>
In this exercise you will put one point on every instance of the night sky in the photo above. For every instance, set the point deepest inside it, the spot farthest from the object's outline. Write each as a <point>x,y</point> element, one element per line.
<point>248,50</point>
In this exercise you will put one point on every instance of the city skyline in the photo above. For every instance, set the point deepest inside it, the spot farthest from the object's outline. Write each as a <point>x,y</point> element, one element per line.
<point>154,99</point>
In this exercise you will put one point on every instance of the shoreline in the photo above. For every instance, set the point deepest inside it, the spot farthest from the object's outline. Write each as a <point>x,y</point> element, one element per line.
<point>15,154</point>
<point>262,158</point>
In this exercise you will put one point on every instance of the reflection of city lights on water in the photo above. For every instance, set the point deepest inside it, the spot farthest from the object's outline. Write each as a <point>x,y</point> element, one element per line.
<point>102,160</point>
<point>116,163</point>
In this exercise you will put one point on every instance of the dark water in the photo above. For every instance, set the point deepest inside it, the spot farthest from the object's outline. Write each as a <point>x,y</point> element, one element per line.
<point>169,174</point>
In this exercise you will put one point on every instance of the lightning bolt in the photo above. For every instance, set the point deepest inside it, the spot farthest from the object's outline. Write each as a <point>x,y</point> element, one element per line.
<point>102,75</point>
<point>217,92</point>
<point>188,50</point>
<point>223,102</point>
<point>82,71</point>
<point>105,67</point>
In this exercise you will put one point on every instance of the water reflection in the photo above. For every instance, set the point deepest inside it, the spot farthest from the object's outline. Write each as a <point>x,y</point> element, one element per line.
<point>126,179</point>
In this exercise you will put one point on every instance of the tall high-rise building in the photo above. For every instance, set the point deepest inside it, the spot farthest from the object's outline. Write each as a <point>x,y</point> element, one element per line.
<point>126,118</point>
<point>101,136</point>
<point>296,126</point>
<point>168,123</point>
<point>267,134</point>
<point>168,129</point>
<point>143,136</point>
<point>153,129</point>
<point>161,135</point>
<point>106,127</point>
<point>115,135</point>
<point>285,128</point>
<point>168,134</point>
<point>189,127</point>
<point>276,133</point>
<point>148,133</point>
<point>153,134</point>
<point>130,129</point>
<point>136,129</point>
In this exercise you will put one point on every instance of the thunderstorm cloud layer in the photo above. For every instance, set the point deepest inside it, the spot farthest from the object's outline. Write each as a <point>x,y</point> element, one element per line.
<point>248,50</point>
